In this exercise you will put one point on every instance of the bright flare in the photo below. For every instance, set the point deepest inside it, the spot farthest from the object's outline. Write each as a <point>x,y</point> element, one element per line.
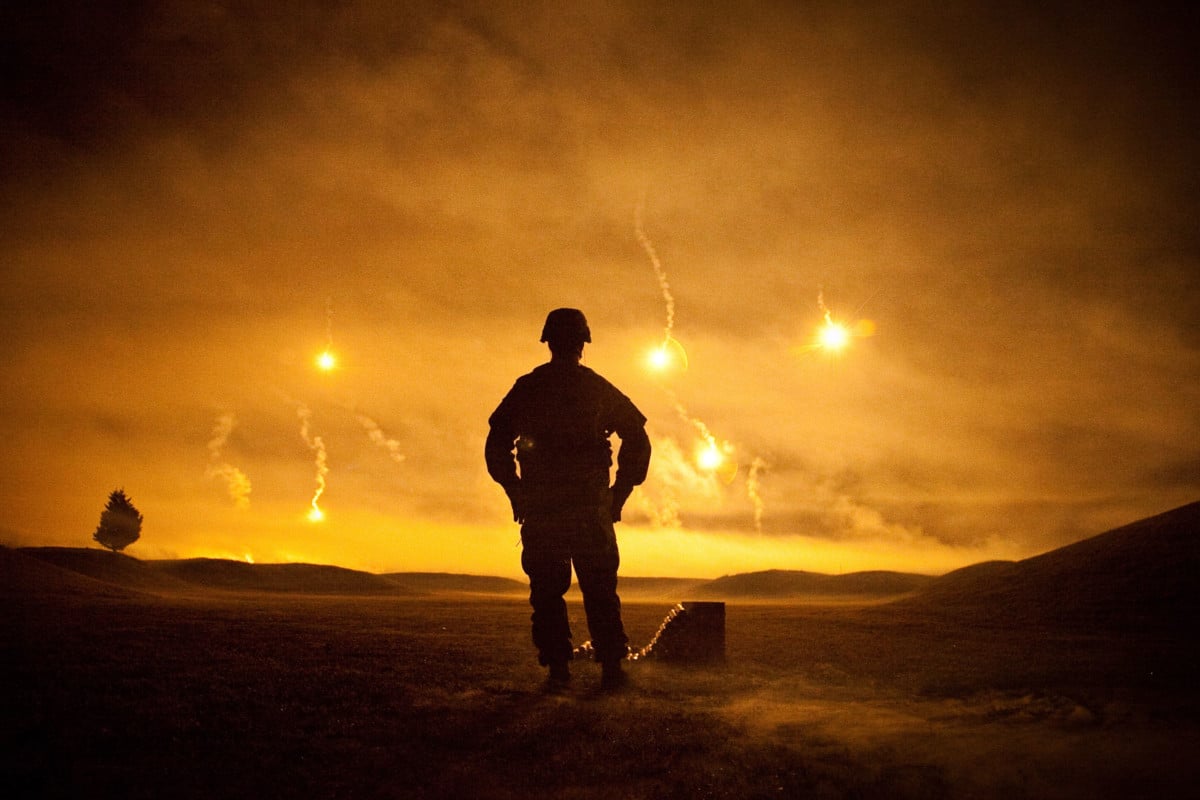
<point>326,361</point>
<point>316,514</point>
<point>710,457</point>
<point>669,355</point>
<point>659,358</point>
<point>833,336</point>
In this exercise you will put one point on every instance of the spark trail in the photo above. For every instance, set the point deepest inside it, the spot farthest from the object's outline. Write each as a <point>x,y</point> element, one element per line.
<point>235,480</point>
<point>317,445</point>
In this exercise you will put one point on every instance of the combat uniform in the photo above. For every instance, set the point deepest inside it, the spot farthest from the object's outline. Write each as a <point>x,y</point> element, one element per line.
<point>558,419</point>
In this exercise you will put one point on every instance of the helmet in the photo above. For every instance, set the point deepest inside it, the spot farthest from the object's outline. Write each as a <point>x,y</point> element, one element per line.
<point>566,325</point>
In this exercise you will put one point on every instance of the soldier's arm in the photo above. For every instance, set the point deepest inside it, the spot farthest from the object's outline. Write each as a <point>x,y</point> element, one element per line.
<point>498,452</point>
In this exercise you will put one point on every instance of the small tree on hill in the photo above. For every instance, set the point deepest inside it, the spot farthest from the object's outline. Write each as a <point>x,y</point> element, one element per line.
<point>120,523</point>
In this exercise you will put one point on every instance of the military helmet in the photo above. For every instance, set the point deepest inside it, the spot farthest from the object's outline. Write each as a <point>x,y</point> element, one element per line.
<point>566,325</point>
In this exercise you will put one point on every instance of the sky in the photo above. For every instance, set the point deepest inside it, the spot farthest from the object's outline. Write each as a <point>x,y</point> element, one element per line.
<point>201,197</point>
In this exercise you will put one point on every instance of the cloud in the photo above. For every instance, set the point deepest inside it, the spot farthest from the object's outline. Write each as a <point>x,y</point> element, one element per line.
<point>1009,196</point>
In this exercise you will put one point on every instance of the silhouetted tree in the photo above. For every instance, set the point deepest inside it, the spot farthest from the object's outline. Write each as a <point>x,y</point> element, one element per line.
<point>120,523</point>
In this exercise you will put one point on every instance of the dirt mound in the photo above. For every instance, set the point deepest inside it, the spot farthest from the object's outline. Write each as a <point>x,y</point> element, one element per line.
<point>1140,574</point>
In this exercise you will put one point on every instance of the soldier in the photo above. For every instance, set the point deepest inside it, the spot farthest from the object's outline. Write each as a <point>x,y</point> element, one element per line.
<point>558,420</point>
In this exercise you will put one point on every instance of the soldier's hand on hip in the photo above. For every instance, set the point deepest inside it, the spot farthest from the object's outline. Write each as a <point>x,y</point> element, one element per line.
<point>516,496</point>
<point>619,495</point>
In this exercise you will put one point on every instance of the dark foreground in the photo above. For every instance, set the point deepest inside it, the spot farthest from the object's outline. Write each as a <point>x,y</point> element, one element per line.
<point>227,696</point>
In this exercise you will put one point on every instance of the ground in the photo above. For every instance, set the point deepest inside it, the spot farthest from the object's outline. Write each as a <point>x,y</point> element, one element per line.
<point>219,695</point>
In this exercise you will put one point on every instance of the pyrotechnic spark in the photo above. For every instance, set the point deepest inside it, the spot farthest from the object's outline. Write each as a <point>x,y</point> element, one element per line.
<point>317,445</point>
<point>326,361</point>
<point>235,480</point>
<point>378,437</point>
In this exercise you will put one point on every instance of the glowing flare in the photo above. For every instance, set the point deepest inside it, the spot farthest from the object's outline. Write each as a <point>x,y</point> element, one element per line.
<point>710,457</point>
<point>317,445</point>
<point>669,355</point>
<point>326,361</point>
<point>833,336</point>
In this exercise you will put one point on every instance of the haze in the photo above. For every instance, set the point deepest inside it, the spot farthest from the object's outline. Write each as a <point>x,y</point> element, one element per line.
<point>200,199</point>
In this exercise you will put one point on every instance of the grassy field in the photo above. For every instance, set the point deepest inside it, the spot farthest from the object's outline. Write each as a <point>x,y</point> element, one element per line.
<point>258,695</point>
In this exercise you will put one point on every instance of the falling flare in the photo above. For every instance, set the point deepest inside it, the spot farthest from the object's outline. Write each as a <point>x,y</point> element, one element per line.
<point>326,361</point>
<point>668,356</point>
<point>710,455</point>
<point>317,445</point>
<point>834,336</point>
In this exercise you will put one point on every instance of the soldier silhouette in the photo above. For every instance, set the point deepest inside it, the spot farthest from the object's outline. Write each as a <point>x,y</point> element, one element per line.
<point>557,420</point>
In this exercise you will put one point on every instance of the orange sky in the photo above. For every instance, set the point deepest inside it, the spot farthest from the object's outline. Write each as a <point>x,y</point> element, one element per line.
<point>199,197</point>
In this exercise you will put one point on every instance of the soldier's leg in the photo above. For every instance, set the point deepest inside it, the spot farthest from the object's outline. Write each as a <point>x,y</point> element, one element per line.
<point>596,563</point>
<point>549,578</point>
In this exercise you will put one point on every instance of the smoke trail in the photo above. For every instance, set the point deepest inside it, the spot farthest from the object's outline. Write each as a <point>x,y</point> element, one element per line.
<point>317,445</point>
<point>659,272</point>
<point>821,303</point>
<point>326,360</point>
<point>376,435</point>
<point>235,480</point>
<point>329,323</point>
<point>756,466</point>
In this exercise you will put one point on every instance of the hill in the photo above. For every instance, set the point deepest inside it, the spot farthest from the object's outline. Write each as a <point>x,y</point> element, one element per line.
<point>450,582</point>
<point>1141,574</point>
<point>105,568</point>
<point>22,574</point>
<point>78,570</point>
<point>791,584</point>
<point>215,573</point>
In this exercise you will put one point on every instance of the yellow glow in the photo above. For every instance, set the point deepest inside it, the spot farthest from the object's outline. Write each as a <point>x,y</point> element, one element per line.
<point>316,515</point>
<point>833,336</point>
<point>326,361</point>
<point>709,457</point>
<point>669,355</point>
